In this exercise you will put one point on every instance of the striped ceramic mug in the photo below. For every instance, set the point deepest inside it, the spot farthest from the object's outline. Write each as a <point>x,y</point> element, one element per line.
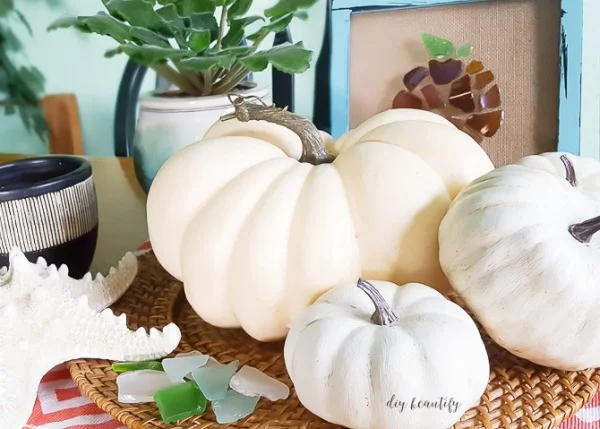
<point>48,208</point>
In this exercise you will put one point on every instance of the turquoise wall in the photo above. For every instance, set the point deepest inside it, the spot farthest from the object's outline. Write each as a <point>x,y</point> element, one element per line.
<point>74,62</point>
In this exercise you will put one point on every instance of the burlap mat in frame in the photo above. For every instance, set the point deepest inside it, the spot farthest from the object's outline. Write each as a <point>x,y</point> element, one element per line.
<point>519,395</point>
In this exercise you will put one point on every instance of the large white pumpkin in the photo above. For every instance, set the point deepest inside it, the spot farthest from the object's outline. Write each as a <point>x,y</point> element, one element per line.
<point>518,246</point>
<point>419,362</point>
<point>256,235</point>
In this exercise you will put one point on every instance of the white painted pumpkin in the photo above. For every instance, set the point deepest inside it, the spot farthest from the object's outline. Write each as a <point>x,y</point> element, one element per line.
<point>256,235</point>
<point>419,362</point>
<point>514,246</point>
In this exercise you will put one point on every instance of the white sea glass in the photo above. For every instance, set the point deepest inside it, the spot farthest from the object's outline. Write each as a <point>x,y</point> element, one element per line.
<point>192,353</point>
<point>249,381</point>
<point>177,368</point>
<point>233,407</point>
<point>135,387</point>
<point>213,380</point>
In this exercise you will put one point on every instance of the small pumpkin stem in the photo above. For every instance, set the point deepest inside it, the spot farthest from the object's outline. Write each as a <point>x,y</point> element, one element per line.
<point>252,108</point>
<point>383,315</point>
<point>584,231</point>
<point>571,177</point>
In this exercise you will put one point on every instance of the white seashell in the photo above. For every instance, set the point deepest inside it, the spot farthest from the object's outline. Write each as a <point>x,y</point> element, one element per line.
<point>43,312</point>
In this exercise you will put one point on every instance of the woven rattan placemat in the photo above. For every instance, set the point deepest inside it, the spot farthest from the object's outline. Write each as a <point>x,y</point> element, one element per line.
<point>519,395</point>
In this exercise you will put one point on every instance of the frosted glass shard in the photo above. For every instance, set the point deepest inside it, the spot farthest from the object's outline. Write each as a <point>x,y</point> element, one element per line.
<point>135,387</point>
<point>233,407</point>
<point>250,381</point>
<point>214,380</point>
<point>212,362</point>
<point>177,368</point>
<point>192,353</point>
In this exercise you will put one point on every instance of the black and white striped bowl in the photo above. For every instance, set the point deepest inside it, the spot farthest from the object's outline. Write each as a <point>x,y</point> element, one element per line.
<point>48,208</point>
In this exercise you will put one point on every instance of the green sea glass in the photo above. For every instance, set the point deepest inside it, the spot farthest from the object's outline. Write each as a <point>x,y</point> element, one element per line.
<point>180,401</point>
<point>463,51</point>
<point>120,367</point>
<point>233,407</point>
<point>437,46</point>
<point>214,380</point>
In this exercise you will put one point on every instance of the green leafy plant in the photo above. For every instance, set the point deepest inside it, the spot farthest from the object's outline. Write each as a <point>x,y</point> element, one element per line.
<point>183,41</point>
<point>20,86</point>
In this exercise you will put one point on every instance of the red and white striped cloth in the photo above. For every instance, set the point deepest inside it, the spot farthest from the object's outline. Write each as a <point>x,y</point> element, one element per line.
<point>60,405</point>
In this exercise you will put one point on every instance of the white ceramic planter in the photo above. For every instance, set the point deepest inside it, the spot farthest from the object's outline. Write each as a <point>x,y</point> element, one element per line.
<point>167,124</point>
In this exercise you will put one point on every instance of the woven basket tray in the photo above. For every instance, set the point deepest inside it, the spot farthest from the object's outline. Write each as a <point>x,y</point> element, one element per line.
<point>519,395</point>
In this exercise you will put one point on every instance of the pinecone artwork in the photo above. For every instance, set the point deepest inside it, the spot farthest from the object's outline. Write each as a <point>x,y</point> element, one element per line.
<point>466,95</point>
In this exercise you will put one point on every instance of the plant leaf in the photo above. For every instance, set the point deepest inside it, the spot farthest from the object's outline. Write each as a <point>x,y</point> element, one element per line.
<point>287,58</point>
<point>239,8</point>
<point>237,28</point>
<point>149,55</point>
<point>237,51</point>
<point>204,64</point>
<point>205,21</point>
<point>200,40</point>
<point>463,51</point>
<point>23,20</point>
<point>101,23</point>
<point>139,13</point>
<point>170,15</point>
<point>437,46</point>
<point>188,7</point>
<point>6,6</point>
<point>283,7</point>
<point>145,36</point>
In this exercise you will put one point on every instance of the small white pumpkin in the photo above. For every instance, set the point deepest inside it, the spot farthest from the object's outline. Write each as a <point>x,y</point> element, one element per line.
<point>379,356</point>
<point>518,246</point>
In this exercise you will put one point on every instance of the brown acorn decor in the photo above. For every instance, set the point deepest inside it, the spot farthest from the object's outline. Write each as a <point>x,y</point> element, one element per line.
<point>467,95</point>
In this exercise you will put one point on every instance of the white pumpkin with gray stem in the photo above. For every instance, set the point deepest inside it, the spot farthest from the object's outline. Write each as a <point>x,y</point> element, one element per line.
<point>380,356</point>
<point>519,245</point>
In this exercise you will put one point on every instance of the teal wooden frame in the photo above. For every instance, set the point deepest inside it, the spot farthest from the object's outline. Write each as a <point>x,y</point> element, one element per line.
<point>570,53</point>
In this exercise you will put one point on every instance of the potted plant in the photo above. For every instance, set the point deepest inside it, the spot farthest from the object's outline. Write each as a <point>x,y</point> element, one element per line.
<point>20,86</point>
<point>202,48</point>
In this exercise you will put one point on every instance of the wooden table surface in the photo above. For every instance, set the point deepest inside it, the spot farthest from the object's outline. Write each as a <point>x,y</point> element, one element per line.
<point>121,209</point>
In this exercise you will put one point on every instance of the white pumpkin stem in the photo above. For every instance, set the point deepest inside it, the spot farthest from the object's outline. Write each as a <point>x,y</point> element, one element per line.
<point>313,149</point>
<point>584,231</point>
<point>383,315</point>
<point>571,177</point>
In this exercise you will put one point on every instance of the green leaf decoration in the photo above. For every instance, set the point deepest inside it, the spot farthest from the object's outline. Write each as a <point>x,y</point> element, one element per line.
<point>463,51</point>
<point>238,9</point>
<point>149,55</point>
<point>283,7</point>
<point>101,23</point>
<point>204,64</point>
<point>437,46</point>
<point>200,40</point>
<point>237,28</point>
<point>287,58</point>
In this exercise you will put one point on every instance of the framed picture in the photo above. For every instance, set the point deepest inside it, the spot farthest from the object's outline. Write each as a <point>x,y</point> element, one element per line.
<point>532,49</point>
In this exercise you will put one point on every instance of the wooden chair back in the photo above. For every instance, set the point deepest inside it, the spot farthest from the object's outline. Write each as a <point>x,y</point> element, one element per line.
<point>64,126</point>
